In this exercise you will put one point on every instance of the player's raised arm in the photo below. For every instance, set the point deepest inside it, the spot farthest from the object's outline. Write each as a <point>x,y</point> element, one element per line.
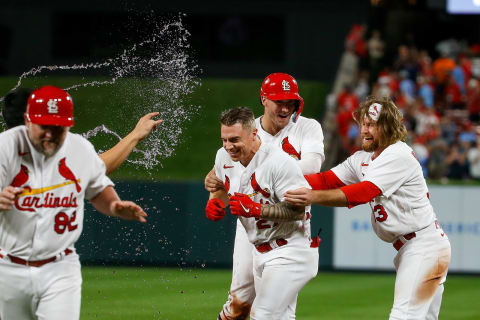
<point>108,203</point>
<point>114,157</point>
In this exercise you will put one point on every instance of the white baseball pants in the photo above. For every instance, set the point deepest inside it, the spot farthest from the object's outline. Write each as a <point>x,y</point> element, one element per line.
<point>52,291</point>
<point>421,265</point>
<point>279,276</point>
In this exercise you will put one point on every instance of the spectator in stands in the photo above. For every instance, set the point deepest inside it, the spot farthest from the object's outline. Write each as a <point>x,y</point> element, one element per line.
<point>425,64</point>
<point>466,65</point>
<point>407,60</point>
<point>376,50</point>
<point>473,100</point>
<point>355,39</point>
<point>442,66</point>
<point>437,166</point>
<point>474,159</point>
<point>453,94</point>
<point>448,130</point>
<point>427,121</point>
<point>458,76</point>
<point>362,90</point>
<point>407,86</point>
<point>425,91</point>
<point>457,162</point>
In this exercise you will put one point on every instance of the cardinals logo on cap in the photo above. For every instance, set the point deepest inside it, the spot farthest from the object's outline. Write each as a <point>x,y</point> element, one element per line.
<point>374,111</point>
<point>52,106</point>
<point>285,85</point>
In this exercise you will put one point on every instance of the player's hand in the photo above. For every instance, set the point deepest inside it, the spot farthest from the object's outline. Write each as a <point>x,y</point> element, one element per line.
<point>299,197</point>
<point>215,209</point>
<point>212,183</point>
<point>145,125</point>
<point>242,205</point>
<point>7,197</point>
<point>128,210</point>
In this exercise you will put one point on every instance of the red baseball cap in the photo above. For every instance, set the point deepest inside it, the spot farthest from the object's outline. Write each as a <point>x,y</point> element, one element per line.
<point>282,86</point>
<point>50,106</point>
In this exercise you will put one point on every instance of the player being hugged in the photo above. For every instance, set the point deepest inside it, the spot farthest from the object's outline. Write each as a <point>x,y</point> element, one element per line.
<point>46,172</point>
<point>388,177</point>
<point>302,139</point>
<point>256,175</point>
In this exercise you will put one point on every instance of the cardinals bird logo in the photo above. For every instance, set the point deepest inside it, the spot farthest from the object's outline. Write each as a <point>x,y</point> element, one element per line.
<point>67,173</point>
<point>21,177</point>
<point>227,183</point>
<point>288,148</point>
<point>256,187</point>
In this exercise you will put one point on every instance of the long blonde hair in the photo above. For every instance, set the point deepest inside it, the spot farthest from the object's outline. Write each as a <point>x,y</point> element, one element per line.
<point>390,120</point>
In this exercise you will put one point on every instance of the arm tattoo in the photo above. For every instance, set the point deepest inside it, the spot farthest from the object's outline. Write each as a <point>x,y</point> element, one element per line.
<point>282,211</point>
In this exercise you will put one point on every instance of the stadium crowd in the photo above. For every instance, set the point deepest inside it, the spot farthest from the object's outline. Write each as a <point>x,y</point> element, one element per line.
<point>439,97</point>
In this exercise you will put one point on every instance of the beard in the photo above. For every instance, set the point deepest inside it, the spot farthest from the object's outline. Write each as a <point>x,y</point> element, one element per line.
<point>47,148</point>
<point>370,146</point>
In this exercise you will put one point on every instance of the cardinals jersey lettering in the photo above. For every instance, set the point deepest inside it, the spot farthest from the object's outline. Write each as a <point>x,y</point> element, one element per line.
<point>51,206</point>
<point>268,176</point>
<point>403,206</point>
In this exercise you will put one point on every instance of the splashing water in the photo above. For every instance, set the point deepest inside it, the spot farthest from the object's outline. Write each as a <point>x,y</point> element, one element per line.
<point>161,74</point>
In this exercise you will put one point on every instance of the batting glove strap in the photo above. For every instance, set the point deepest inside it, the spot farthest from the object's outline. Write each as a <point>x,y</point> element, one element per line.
<point>241,205</point>
<point>215,209</point>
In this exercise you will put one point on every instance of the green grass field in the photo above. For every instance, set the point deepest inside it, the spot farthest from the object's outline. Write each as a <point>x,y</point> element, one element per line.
<point>176,294</point>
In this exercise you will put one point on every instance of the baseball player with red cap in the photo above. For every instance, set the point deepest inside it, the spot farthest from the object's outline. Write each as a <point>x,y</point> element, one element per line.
<point>256,175</point>
<point>44,180</point>
<point>387,176</point>
<point>302,139</point>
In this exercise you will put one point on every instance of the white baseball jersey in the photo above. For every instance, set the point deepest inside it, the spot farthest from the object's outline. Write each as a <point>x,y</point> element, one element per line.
<point>303,136</point>
<point>403,207</point>
<point>268,176</point>
<point>47,217</point>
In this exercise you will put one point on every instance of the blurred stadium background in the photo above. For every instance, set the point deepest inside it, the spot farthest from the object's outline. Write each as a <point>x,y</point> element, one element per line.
<point>425,54</point>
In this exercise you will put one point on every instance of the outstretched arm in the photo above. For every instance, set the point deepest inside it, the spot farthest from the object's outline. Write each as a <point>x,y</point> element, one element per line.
<point>346,196</point>
<point>114,157</point>
<point>108,203</point>
<point>242,205</point>
<point>282,211</point>
<point>305,197</point>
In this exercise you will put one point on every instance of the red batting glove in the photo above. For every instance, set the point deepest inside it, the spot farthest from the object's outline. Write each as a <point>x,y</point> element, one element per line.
<point>241,205</point>
<point>215,209</point>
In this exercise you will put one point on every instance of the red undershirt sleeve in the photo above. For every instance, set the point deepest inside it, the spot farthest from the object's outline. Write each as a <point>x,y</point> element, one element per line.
<point>324,180</point>
<point>360,193</point>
